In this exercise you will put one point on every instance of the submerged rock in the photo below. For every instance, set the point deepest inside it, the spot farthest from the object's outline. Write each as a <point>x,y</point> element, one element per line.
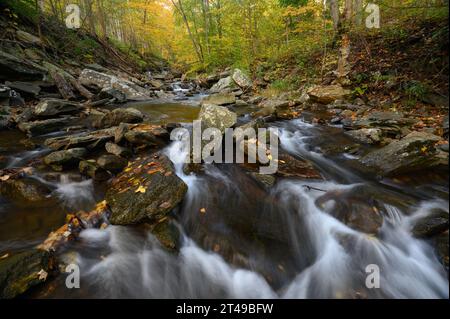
<point>328,94</point>
<point>146,191</point>
<point>27,192</point>
<point>413,152</point>
<point>22,271</point>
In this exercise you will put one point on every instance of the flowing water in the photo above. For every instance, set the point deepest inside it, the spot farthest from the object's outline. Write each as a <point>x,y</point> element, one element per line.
<point>257,243</point>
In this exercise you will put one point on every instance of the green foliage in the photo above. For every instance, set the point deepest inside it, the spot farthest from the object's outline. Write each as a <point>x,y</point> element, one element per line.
<point>280,85</point>
<point>25,9</point>
<point>293,3</point>
<point>416,90</point>
<point>360,90</point>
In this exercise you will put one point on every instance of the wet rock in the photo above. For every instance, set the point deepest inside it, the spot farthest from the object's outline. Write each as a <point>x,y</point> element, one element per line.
<point>366,135</point>
<point>328,94</point>
<point>22,271</point>
<point>42,127</point>
<point>289,166</point>
<point>145,192</point>
<point>266,181</point>
<point>442,248</point>
<point>352,209</point>
<point>220,99</point>
<point>272,107</point>
<point>64,159</point>
<point>13,68</point>
<point>146,134</point>
<point>167,233</point>
<point>5,117</point>
<point>413,152</point>
<point>117,150</point>
<point>435,223</point>
<point>26,88</point>
<point>93,170</point>
<point>214,116</point>
<point>54,107</point>
<point>241,79</point>
<point>88,140</point>
<point>117,116</point>
<point>105,81</point>
<point>27,192</point>
<point>157,84</point>
<point>223,84</point>
<point>112,163</point>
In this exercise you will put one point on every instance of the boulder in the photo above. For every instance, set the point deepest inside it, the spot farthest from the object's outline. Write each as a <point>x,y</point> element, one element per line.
<point>414,152</point>
<point>67,158</point>
<point>146,134</point>
<point>220,99</point>
<point>157,84</point>
<point>100,80</point>
<point>26,88</point>
<point>328,94</point>
<point>241,79</point>
<point>146,191</point>
<point>112,163</point>
<point>26,192</point>
<point>88,140</point>
<point>272,107</point>
<point>366,135</point>
<point>112,94</point>
<point>42,127</point>
<point>214,116</point>
<point>224,84</point>
<point>55,107</point>
<point>14,68</point>
<point>117,150</point>
<point>93,170</point>
<point>117,116</point>
<point>20,272</point>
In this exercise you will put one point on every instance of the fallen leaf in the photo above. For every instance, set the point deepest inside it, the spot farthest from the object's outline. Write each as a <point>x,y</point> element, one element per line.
<point>4,178</point>
<point>203,210</point>
<point>4,256</point>
<point>141,189</point>
<point>42,275</point>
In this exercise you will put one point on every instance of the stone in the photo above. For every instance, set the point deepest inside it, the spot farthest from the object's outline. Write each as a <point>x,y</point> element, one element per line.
<point>152,194</point>
<point>27,192</point>
<point>93,170</point>
<point>223,84</point>
<point>214,116</point>
<point>366,135</point>
<point>55,107</point>
<point>117,150</point>
<point>14,68</point>
<point>112,163</point>
<point>22,271</point>
<point>27,88</point>
<point>433,224</point>
<point>120,115</point>
<point>241,79</point>
<point>147,134</point>
<point>67,158</point>
<point>41,127</point>
<point>328,94</point>
<point>28,38</point>
<point>112,94</point>
<point>414,152</point>
<point>89,140</point>
<point>220,99</point>
<point>100,80</point>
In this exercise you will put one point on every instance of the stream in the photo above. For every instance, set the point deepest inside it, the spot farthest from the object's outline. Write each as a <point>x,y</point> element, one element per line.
<point>251,242</point>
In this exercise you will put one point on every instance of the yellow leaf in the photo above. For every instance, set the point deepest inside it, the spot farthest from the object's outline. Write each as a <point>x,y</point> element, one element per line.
<point>4,178</point>
<point>424,149</point>
<point>203,210</point>
<point>141,189</point>
<point>42,275</point>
